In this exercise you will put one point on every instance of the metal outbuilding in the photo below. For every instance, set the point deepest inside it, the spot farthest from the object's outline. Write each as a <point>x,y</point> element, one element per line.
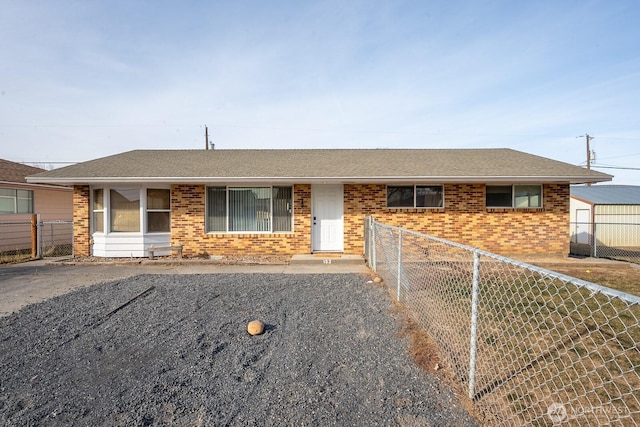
<point>605,215</point>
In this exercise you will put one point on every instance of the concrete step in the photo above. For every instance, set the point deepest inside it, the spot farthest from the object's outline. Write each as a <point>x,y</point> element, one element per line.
<point>320,258</point>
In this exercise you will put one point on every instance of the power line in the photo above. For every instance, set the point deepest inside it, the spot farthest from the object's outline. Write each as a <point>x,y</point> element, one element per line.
<point>617,157</point>
<point>620,138</point>
<point>616,167</point>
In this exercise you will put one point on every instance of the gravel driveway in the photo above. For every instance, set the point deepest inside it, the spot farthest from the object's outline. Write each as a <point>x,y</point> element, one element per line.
<point>173,350</point>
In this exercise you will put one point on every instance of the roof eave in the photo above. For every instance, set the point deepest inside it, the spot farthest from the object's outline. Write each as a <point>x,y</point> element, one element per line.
<point>34,184</point>
<point>318,179</point>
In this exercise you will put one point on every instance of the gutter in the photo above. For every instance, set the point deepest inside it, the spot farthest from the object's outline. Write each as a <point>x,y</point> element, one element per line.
<point>36,185</point>
<point>319,180</point>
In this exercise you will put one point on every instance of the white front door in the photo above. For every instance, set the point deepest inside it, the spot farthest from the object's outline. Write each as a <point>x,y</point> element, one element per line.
<point>327,218</point>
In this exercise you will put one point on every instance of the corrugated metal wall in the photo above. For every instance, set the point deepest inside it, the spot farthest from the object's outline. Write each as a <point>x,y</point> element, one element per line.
<point>613,229</point>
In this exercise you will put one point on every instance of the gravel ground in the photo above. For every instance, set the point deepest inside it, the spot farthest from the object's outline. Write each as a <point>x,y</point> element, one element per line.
<point>179,354</point>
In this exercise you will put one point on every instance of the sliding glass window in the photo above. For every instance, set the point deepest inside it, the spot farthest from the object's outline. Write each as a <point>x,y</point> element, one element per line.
<point>249,209</point>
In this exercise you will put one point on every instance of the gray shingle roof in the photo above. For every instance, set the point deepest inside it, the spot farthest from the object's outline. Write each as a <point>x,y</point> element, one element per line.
<point>608,194</point>
<point>16,172</point>
<point>318,165</point>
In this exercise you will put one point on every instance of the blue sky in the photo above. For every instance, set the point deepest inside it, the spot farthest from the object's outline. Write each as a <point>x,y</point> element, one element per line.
<point>85,79</point>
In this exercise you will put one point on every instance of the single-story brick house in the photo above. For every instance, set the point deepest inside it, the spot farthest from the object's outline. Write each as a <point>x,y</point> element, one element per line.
<point>297,201</point>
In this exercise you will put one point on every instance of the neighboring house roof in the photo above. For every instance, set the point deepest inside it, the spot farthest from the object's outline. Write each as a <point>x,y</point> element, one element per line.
<point>608,194</point>
<point>16,172</point>
<point>321,165</point>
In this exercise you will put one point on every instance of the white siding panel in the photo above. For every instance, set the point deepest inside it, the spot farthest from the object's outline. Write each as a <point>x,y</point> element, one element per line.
<point>116,245</point>
<point>99,245</point>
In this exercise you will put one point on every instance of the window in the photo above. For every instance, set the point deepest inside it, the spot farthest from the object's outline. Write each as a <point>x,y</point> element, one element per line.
<point>217,209</point>
<point>249,209</point>
<point>158,210</point>
<point>98,210</point>
<point>282,202</point>
<point>14,201</point>
<point>518,196</point>
<point>415,196</point>
<point>125,210</point>
<point>499,196</point>
<point>131,210</point>
<point>528,196</point>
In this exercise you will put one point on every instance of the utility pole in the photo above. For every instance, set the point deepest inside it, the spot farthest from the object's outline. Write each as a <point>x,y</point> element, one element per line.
<point>206,137</point>
<point>588,138</point>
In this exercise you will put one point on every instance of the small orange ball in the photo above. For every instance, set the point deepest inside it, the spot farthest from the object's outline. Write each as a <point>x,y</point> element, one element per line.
<point>255,327</point>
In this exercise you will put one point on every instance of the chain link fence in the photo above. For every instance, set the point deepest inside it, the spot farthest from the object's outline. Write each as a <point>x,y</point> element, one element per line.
<point>530,346</point>
<point>16,241</point>
<point>55,238</point>
<point>25,240</point>
<point>620,241</point>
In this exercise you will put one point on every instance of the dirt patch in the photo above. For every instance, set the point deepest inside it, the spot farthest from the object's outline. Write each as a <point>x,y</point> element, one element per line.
<point>425,353</point>
<point>225,260</point>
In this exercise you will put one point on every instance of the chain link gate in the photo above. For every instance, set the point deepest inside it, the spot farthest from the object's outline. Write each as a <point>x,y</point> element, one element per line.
<point>55,238</point>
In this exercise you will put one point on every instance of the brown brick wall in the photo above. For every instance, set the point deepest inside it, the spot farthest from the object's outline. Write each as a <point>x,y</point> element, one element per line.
<point>81,220</point>
<point>188,227</point>
<point>466,220</point>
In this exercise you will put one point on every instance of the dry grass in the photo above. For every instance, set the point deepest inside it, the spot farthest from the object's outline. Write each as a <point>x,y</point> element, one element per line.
<point>622,276</point>
<point>542,338</point>
<point>15,257</point>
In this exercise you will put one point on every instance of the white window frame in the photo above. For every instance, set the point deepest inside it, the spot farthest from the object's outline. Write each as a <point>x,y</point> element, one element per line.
<point>415,196</point>
<point>141,208</point>
<point>106,194</point>
<point>147,210</point>
<point>271,217</point>
<point>94,211</point>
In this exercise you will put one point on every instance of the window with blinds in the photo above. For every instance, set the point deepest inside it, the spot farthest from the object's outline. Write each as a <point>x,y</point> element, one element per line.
<point>249,209</point>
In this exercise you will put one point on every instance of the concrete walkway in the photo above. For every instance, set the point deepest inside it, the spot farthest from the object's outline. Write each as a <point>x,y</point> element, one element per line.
<point>35,281</point>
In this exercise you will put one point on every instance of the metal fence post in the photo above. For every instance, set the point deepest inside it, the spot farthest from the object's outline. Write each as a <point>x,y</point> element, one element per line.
<point>473,347</point>
<point>373,244</point>
<point>40,235</point>
<point>52,235</point>
<point>399,262</point>
<point>595,241</point>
